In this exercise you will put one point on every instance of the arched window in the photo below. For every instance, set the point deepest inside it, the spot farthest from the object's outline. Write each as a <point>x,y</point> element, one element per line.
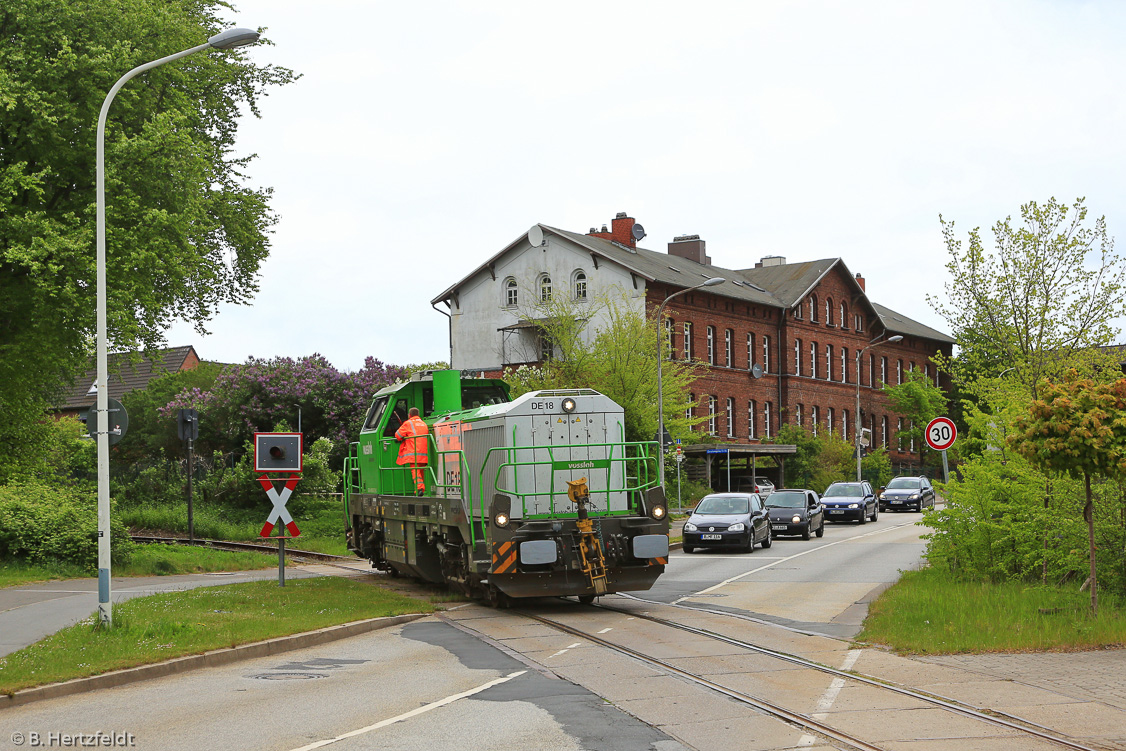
<point>729,348</point>
<point>884,431</point>
<point>751,419</point>
<point>711,345</point>
<point>797,414</point>
<point>899,372</point>
<point>883,370</point>
<point>813,308</point>
<point>829,311</point>
<point>844,315</point>
<point>845,426</point>
<point>713,403</point>
<point>844,364</point>
<point>829,421</point>
<point>730,417</point>
<point>545,288</point>
<point>797,357</point>
<point>828,362</point>
<point>688,409</point>
<point>669,339</point>
<point>511,293</point>
<point>858,321</point>
<point>580,285</point>
<point>766,356</point>
<point>750,351</point>
<point>813,420</point>
<point>813,359</point>
<point>766,419</point>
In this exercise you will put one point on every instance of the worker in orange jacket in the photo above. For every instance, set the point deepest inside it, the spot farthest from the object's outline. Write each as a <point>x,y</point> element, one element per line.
<point>412,437</point>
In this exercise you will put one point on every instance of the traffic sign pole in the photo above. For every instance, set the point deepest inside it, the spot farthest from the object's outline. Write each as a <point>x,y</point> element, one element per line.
<point>940,436</point>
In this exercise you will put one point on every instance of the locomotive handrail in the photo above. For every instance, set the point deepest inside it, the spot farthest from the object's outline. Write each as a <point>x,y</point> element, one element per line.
<point>640,460</point>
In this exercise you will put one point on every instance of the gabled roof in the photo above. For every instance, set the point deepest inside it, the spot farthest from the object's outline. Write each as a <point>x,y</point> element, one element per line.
<point>124,376</point>
<point>781,286</point>
<point>897,323</point>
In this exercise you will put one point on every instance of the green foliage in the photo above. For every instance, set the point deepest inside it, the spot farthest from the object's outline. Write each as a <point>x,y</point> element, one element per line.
<point>619,360</point>
<point>824,459</point>
<point>1042,300</point>
<point>54,452</point>
<point>152,431</point>
<point>919,401</point>
<point>39,523</point>
<point>184,231</point>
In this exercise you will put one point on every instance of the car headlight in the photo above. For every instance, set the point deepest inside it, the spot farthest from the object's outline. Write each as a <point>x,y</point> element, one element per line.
<point>736,527</point>
<point>854,505</point>
<point>689,527</point>
<point>796,519</point>
<point>914,497</point>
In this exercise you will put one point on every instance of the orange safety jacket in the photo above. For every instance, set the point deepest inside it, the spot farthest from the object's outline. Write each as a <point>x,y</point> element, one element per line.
<point>412,436</point>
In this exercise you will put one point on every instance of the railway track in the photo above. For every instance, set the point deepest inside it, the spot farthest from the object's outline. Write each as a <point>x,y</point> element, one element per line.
<point>245,547</point>
<point>800,719</point>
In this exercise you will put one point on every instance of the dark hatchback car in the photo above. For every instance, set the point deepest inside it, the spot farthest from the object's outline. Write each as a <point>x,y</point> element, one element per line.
<point>850,501</point>
<point>907,493</point>
<point>796,512</point>
<point>727,519</point>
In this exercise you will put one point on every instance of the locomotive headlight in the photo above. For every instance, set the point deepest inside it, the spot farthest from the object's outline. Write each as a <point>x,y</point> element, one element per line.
<point>658,512</point>
<point>501,519</point>
<point>568,405</point>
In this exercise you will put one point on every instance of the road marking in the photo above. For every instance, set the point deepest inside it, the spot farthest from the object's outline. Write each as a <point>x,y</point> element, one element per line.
<point>606,629</point>
<point>413,712</point>
<point>825,703</point>
<point>788,558</point>
<point>563,650</point>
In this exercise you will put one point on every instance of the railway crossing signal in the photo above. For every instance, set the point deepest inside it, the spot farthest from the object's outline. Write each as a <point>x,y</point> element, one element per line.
<point>281,454</point>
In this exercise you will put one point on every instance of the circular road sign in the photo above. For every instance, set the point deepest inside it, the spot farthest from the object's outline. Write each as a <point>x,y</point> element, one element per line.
<point>941,433</point>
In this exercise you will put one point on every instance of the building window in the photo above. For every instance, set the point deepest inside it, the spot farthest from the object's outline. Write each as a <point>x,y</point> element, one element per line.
<point>828,311</point>
<point>912,436</point>
<point>883,370</point>
<point>545,288</point>
<point>845,424</point>
<point>751,419</point>
<point>797,311</point>
<point>547,347</point>
<point>899,434</point>
<point>813,420</point>
<point>844,315</point>
<point>580,285</point>
<point>899,372</point>
<point>828,362</point>
<point>668,339</point>
<point>871,370</point>
<point>688,409</point>
<point>844,364</point>
<point>711,345</point>
<point>511,293</point>
<point>712,404</point>
<point>858,322</point>
<point>729,347</point>
<point>766,419</point>
<point>797,357</point>
<point>766,355</point>
<point>884,431</point>
<point>750,351</point>
<point>813,308</point>
<point>813,359</point>
<point>829,421</point>
<point>687,341</point>
<point>911,368</point>
<point>730,417</point>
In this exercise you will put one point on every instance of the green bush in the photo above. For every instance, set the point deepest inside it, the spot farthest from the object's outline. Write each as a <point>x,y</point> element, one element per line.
<point>39,523</point>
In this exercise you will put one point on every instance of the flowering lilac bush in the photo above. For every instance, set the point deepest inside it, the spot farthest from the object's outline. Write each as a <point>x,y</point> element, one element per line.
<point>259,394</point>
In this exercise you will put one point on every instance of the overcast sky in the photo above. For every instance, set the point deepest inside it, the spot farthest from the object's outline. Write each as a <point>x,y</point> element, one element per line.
<point>425,137</point>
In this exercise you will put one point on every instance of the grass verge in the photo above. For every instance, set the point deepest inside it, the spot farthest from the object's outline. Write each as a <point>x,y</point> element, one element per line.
<point>927,612</point>
<point>173,624</point>
<point>147,560</point>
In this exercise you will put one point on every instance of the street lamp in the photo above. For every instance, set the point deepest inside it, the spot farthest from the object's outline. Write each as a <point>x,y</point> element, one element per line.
<point>660,391</point>
<point>874,343</point>
<point>225,40</point>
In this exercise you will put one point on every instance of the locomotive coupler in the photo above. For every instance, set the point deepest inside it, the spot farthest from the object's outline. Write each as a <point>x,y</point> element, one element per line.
<point>590,547</point>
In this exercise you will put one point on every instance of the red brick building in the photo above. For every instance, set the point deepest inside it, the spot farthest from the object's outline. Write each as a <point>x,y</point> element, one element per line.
<point>802,324</point>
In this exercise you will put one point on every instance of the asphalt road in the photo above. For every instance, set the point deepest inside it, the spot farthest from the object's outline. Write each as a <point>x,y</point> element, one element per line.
<point>820,585</point>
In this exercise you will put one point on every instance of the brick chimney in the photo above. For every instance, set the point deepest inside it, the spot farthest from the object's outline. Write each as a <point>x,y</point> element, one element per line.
<point>690,247</point>
<point>621,231</point>
<point>860,281</point>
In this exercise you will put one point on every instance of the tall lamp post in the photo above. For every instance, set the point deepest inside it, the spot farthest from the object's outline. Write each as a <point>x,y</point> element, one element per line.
<point>660,391</point>
<point>875,343</point>
<point>225,40</point>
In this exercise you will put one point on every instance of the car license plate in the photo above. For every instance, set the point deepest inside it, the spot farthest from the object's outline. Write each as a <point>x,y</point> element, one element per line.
<point>711,537</point>
<point>836,511</point>
<point>897,501</point>
<point>778,526</point>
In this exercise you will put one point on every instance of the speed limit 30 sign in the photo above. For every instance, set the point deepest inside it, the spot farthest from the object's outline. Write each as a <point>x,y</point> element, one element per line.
<point>941,433</point>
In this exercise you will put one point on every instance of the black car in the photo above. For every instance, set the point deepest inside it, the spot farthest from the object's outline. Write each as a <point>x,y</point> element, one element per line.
<point>850,501</point>
<point>907,492</point>
<point>796,512</point>
<point>727,519</point>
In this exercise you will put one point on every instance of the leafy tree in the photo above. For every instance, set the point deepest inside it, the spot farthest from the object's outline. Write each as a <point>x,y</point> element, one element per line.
<point>1077,427</point>
<point>152,433</point>
<point>1042,300</point>
<point>618,358</point>
<point>919,401</point>
<point>184,231</point>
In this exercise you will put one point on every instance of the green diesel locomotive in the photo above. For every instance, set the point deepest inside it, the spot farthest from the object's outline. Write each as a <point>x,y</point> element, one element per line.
<point>532,497</point>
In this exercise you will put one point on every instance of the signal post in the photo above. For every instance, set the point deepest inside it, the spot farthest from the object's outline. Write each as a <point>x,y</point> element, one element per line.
<point>280,455</point>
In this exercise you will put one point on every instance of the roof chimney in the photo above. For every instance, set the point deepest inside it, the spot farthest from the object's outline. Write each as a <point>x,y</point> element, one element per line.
<point>860,281</point>
<point>771,261</point>
<point>690,247</point>
<point>623,230</point>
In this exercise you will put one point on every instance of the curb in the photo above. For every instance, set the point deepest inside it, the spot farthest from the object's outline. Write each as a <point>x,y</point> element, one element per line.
<point>213,658</point>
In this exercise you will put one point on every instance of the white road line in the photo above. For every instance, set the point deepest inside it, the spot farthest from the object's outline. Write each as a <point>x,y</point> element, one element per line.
<point>825,703</point>
<point>563,650</point>
<point>413,712</point>
<point>606,629</point>
<point>783,560</point>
